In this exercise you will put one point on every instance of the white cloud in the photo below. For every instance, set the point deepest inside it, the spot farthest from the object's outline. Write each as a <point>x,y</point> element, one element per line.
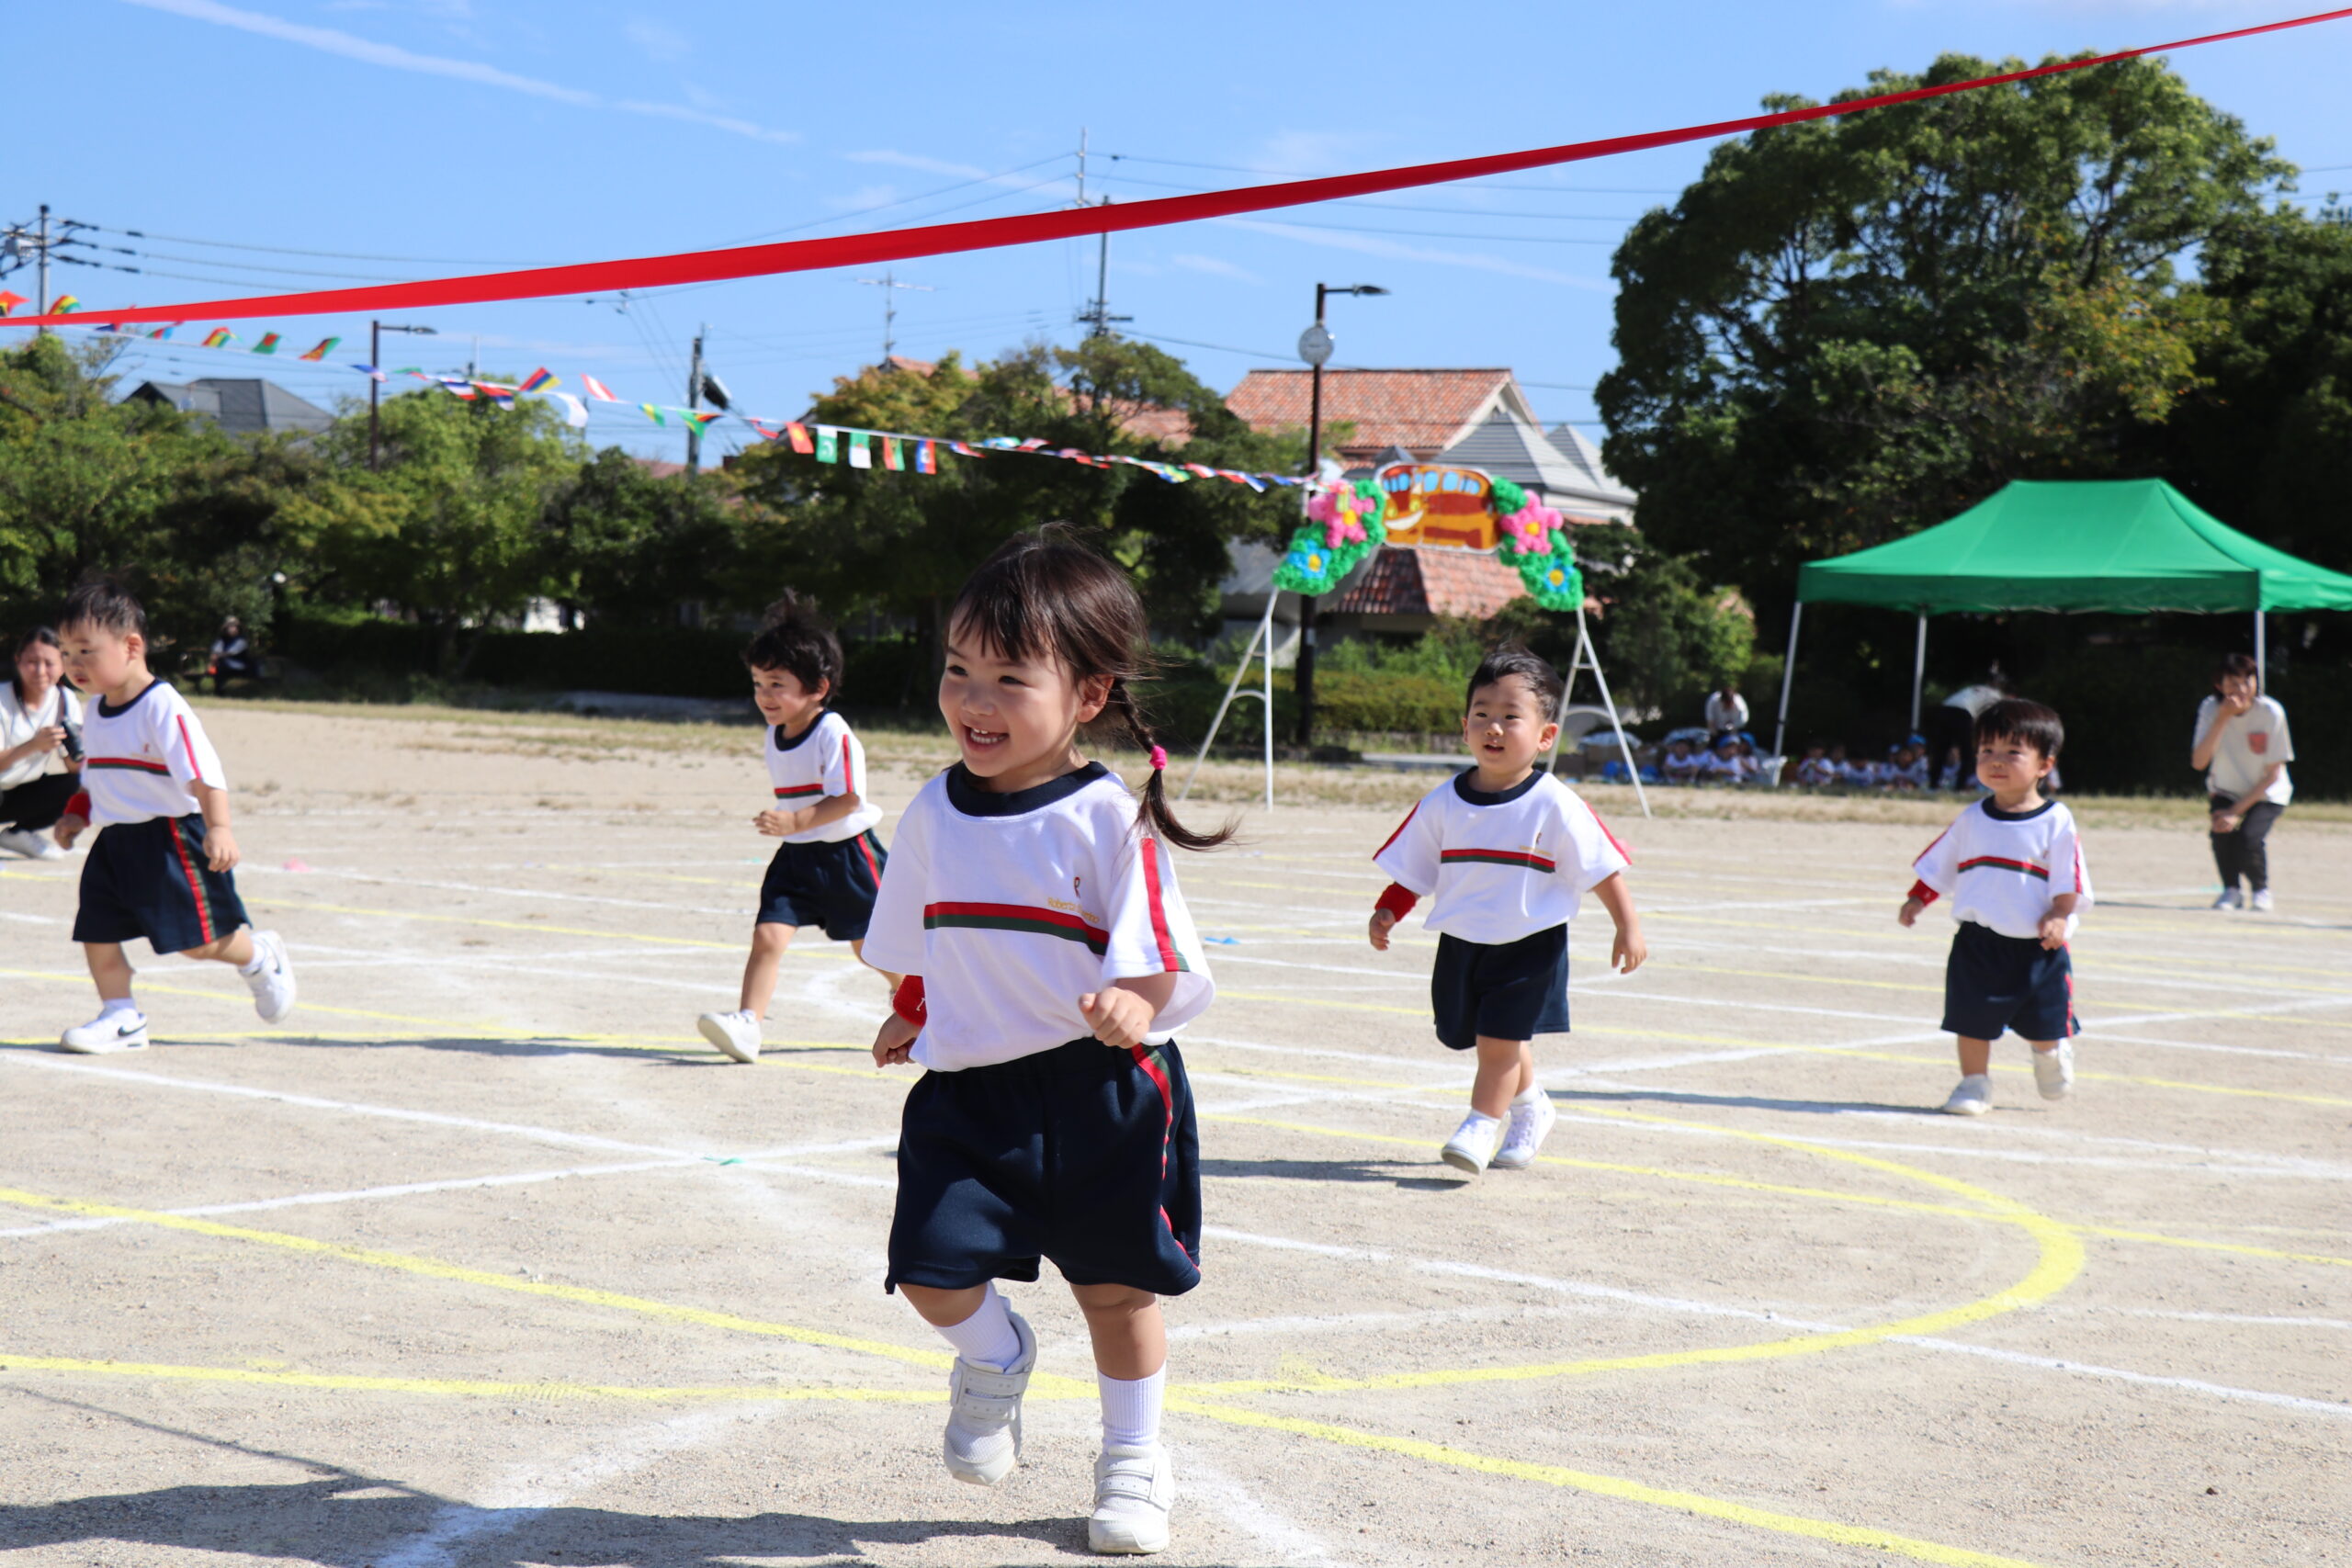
<point>660,41</point>
<point>331,40</point>
<point>863,197</point>
<point>1365,245</point>
<point>1216,266</point>
<point>916,160</point>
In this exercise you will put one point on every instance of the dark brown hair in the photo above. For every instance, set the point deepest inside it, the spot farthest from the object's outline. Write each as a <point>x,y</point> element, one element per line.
<point>794,639</point>
<point>39,636</point>
<point>1514,659</point>
<point>108,606</point>
<point>2240,664</point>
<point>2015,718</point>
<point>1044,596</point>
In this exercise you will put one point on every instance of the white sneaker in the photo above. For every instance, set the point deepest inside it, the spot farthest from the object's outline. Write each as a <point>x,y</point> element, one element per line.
<point>108,1033</point>
<point>1472,1147</point>
<point>1529,1124</point>
<point>272,984</point>
<point>2230,898</point>
<point>1134,1490</point>
<point>1973,1097</point>
<point>735,1033</point>
<point>2053,1071</point>
<point>983,1439</point>
<point>2260,902</point>
<point>31,843</point>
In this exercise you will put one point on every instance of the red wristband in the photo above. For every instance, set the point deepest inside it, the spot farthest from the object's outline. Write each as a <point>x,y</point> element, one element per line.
<point>79,805</point>
<point>1398,901</point>
<point>908,1002</point>
<point>1925,894</point>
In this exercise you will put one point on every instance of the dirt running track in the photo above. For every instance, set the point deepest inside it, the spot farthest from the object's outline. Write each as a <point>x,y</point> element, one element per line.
<point>483,1259</point>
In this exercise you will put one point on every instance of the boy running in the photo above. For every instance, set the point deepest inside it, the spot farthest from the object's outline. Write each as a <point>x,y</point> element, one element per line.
<point>2013,865</point>
<point>830,864</point>
<point>153,786</point>
<point>1509,851</point>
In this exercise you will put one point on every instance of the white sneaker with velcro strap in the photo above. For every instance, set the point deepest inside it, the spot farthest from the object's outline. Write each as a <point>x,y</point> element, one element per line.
<point>1134,1491</point>
<point>983,1439</point>
<point>272,979</point>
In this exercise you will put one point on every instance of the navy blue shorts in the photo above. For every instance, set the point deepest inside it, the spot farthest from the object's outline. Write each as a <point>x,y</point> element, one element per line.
<point>1994,982</point>
<point>1082,1154</point>
<point>1509,990</point>
<point>828,885</point>
<point>148,879</point>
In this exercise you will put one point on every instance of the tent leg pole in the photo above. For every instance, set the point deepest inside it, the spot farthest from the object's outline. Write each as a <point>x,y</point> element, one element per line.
<point>1587,653</point>
<point>1918,672</point>
<point>1264,627</point>
<point>1788,679</point>
<point>2261,652</point>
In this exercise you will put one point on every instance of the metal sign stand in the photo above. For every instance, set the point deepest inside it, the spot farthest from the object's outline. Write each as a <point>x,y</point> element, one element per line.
<point>1586,658</point>
<point>1261,640</point>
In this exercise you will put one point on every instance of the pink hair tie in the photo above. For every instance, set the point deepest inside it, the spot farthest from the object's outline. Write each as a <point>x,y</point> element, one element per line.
<point>1159,758</point>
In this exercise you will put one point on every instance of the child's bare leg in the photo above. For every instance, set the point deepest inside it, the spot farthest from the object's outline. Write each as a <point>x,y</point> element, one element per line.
<point>1130,1337</point>
<point>858,947</point>
<point>236,947</point>
<point>943,1309</point>
<point>1976,1058</point>
<point>110,968</point>
<point>1506,1068</point>
<point>769,939</point>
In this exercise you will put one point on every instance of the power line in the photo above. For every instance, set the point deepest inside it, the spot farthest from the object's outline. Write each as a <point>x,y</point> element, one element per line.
<point>330,255</point>
<point>1411,206</point>
<point>1304,173</point>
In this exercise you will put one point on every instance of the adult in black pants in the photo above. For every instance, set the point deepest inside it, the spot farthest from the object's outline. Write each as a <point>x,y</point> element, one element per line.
<point>41,719</point>
<point>2242,743</point>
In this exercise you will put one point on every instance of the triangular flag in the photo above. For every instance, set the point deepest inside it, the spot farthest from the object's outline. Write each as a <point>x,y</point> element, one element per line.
<point>827,445</point>
<point>653,414</point>
<point>893,458</point>
<point>326,347</point>
<point>9,301</point>
<point>166,330</point>
<point>456,387</point>
<point>371,373</point>
<point>269,344</point>
<point>926,456</point>
<point>575,412</point>
<point>797,434</point>
<point>961,449</point>
<point>701,418</point>
<point>861,456</point>
<point>219,337</point>
<point>540,381</point>
<point>503,396</point>
<point>598,390</point>
<point>65,304</point>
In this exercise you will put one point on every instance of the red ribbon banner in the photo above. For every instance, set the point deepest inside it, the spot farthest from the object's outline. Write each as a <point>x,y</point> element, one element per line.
<point>900,244</point>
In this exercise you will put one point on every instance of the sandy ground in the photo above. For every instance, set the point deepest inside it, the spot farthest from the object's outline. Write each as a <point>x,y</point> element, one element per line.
<point>483,1258</point>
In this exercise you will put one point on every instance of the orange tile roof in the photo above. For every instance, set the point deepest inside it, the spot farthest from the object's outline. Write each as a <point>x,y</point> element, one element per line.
<point>1414,580</point>
<point>1422,411</point>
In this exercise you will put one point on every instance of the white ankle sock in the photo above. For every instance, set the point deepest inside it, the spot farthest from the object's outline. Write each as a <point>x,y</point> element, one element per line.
<point>987,1337</point>
<point>1530,1095</point>
<point>109,1006</point>
<point>1131,1410</point>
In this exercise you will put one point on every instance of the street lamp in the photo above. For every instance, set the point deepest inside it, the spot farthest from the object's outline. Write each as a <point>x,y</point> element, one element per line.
<point>1315,346</point>
<point>376,331</point>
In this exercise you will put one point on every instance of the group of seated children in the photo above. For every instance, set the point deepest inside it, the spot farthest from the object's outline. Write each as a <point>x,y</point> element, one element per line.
<point>1906,767</point>
<point>1730,760</point>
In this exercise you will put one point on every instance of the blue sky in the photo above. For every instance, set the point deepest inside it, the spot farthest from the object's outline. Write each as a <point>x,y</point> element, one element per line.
<point>419,137</point>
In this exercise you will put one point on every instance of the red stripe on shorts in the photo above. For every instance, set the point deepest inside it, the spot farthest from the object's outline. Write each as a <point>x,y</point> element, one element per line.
<point>195,882</point>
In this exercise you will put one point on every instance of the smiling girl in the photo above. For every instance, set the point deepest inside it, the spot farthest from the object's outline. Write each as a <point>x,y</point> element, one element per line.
<point>1031,904</point>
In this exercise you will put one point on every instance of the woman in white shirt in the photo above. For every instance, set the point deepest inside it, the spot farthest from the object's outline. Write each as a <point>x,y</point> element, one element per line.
<point>2243,744</point>
<point>41,723</point>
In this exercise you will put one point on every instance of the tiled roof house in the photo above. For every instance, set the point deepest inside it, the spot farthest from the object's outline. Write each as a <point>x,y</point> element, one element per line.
<point>1421,411</point>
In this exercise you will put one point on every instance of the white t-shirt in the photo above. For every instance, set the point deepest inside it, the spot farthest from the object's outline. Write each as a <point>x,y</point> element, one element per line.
<point>1726,713</point>
<point>2001,869</point>
<point>140,759</point>
<point>823,759</point>
<point>1011,907</point>
<point>2252,740</point>
<point>1503,866</point>
<point>1974,700</point>
<point>19,724</point>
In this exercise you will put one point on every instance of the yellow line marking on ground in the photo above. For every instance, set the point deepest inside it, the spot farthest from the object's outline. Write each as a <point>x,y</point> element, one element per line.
<point>1605,1486</point>
<point>534,925</point>
<point>468,1387</point>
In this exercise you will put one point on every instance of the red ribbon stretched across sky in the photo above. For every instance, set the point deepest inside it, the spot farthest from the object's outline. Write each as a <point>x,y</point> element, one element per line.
<point>898,244</point>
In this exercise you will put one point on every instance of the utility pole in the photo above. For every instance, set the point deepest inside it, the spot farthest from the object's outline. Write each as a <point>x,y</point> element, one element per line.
<point>694,401</point>
<point>1097,318</point>
<point>376,331</point>
<point>42,240</point>
<point>1314,347</point>
<point>42,305</point>
<point>889,285</point>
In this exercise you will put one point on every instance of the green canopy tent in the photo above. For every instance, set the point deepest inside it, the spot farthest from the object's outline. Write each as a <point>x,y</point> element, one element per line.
<point>2124,547</point>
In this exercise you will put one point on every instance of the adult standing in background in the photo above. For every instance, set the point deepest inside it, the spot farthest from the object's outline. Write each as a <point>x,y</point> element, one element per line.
<point>41,724</point>
<point>2243,745</point>
<point>1726,711</point>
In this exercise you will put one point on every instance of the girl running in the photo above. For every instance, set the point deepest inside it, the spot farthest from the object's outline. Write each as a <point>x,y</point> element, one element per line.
<point>1031,905</point>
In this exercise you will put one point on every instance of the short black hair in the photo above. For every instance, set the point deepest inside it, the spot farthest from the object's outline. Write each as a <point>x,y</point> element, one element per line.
<point>2015,718</point>
<point>1514,659</point>
<point>2236,664</point>
<point>796,639</point>
<point>110,607</point>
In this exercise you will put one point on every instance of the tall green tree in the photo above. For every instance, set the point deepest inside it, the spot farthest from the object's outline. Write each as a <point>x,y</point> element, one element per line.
<point>1847,330</point>
<point>621,545</point>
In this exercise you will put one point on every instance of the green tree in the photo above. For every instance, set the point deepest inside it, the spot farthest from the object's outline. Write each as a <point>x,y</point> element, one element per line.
<point>449,529</point>
<point>620,545</point>
<point>1847,330</point>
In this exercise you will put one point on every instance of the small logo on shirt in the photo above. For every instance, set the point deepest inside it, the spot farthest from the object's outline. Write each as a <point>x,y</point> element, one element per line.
<point>2258,743</point>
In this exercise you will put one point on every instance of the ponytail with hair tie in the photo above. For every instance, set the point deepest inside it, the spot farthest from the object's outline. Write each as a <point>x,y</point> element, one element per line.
<point>1155,811</point>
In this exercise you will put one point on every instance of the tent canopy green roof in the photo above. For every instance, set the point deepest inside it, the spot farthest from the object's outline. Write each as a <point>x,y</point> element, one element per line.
<point>2122,545</point>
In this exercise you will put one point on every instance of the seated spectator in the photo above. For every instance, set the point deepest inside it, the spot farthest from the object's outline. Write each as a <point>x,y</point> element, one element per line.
<point>1754,764</point>
<point>1907,769</point>
<point>1680,765</point>
<point>1950,778</point>
<point>232,655</point>
<point>1815,770</point>
<point>1723,764</point>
